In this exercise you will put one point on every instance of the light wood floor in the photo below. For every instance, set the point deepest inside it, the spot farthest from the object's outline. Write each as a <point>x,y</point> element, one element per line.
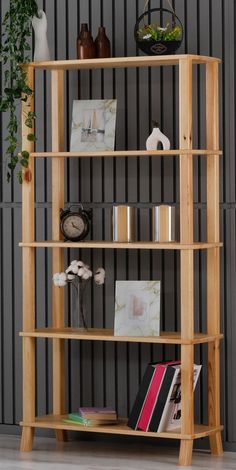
<point>89,455</point>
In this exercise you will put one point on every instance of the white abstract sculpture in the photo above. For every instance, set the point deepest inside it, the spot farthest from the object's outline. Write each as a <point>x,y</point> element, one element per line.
<point>41,51</point>
<point>155,137</point>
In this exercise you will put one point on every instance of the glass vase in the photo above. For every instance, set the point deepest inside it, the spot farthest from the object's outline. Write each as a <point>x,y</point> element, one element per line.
<point>78,313</point>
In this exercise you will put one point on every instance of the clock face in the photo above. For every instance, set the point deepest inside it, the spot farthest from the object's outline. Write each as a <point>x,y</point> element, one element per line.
<point>73,227</point>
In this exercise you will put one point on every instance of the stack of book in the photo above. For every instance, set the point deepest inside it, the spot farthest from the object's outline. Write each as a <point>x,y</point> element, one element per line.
<point>157,406</point>
<point>92,416</point>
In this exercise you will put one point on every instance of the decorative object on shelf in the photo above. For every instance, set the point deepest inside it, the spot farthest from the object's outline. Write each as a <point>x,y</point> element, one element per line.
<point>155,137</point>
<point>164,36</point>
<point>124,223</point>
<point>102,44</point>
<point>75,224</point>
<point>137,308</point>
<point>83,28</point>
<point>163,224</point>
<point>14,51</point>
<point>93,125</point>
<point>41,49</point>
<point>85,44</point>
<point>78,275</point>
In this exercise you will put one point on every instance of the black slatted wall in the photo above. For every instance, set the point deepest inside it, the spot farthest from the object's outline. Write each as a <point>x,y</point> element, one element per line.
<point>100,374</point>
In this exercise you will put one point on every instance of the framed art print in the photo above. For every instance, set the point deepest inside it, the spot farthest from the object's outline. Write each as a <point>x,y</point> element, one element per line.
<point>93,125</point>
<point>137,308</point>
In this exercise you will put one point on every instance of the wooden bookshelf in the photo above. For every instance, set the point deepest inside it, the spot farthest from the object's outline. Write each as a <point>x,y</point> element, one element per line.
<point>186,338</point>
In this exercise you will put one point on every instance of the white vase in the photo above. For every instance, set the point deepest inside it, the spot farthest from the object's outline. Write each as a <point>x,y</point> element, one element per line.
<point>41,51</point>
<point>155,137</point>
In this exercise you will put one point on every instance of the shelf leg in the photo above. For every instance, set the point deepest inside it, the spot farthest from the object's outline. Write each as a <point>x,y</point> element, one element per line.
<point>57,93</point>
<point>213,255</point>
<point>187,356</point>
<point>27,438</point>
<point>187,267</point>
<point>216,444</point>
<point>28,274</point>
<point>185,454</point>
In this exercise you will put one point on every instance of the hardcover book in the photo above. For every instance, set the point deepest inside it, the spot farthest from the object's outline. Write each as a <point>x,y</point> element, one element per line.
<point>98,413</point>
<point>172,416</point>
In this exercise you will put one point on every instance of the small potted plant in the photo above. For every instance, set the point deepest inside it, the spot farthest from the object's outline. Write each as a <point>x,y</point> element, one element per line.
<point>14,52</point>
<point>157,38</point>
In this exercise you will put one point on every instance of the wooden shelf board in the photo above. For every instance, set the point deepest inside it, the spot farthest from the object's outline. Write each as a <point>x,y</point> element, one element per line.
<point>122,62</point>
<point>127,153</point>
<point>141,245</point>
<point>96,334</point>
<point>55,422</point>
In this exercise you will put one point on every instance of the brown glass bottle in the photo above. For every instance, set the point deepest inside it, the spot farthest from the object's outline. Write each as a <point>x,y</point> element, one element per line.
<point>83,28</point>
<point>102,43</point>
<point>86,46</point>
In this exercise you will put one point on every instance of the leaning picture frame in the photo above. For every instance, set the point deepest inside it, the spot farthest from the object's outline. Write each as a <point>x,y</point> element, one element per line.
<point>137,308</point>
<point>93,125</point>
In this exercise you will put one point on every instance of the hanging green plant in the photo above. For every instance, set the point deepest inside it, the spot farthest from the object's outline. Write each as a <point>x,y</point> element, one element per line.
<point>14,51</point>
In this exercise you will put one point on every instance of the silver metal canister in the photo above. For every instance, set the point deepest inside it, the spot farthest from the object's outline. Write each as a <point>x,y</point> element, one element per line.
<point>163,224</point>
<point>123,223</point>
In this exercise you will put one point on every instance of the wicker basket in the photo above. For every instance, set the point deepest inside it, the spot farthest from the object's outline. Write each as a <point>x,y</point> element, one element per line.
<point>158,47</point>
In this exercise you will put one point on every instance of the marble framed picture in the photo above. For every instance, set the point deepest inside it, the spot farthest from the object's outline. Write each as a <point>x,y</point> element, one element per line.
<point>137,308</point>
<point>93,125</point>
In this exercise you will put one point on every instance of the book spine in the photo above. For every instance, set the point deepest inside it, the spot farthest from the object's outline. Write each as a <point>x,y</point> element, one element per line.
<point>151,398</point>
<point>161,400</point>
<point>141,396</point>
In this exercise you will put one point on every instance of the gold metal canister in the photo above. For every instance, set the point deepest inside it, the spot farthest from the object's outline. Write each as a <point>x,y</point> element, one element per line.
<point>124,223</point>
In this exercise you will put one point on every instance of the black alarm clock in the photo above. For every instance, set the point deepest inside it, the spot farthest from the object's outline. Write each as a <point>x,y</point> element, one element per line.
<point>75,224</point>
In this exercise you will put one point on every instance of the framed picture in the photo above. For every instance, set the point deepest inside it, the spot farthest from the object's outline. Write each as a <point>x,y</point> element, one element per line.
<point>137,308</point>
<point>93,125</point>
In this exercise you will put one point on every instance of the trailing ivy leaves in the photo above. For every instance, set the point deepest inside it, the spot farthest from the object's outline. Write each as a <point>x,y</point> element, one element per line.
<point>16,27</point>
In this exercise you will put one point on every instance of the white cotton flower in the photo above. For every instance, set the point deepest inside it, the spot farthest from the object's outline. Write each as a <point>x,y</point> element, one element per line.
<point>74,269</point>
<point>70,277</point>
<point>99,276</point>
<point>74,263</point>
<point>147,36</point>
<point>81,272</point>
<point>80,264</point>
<point>60,279</point>
<point>86,275</point>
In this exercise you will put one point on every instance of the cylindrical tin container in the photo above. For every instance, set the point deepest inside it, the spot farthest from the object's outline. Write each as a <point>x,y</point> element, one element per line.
<point>163,224</point>
<point>123,223</point>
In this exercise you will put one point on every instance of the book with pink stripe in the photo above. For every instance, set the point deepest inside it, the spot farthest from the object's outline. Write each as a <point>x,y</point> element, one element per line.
<point>152,395</point>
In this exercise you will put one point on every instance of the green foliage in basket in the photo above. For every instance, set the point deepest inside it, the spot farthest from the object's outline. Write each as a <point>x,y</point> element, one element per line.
<point>153,32</point>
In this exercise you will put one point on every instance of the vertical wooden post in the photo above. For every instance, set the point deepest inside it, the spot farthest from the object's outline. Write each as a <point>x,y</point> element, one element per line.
<point>57,90</point>
<point>28,276</point>
<point>213,255</point>
<point>187,270</point>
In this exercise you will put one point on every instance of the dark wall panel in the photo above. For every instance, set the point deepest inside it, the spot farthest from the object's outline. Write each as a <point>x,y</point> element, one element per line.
<point>103,374</point>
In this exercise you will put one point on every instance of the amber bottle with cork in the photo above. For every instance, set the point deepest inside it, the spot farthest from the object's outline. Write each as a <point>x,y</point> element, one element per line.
<point>102,44</point>
<point>85,44</point>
